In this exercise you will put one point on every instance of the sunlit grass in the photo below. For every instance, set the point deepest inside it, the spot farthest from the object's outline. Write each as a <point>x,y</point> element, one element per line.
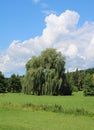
<point>26,112</point>
<point>37,120</point>
<point>77,100</point>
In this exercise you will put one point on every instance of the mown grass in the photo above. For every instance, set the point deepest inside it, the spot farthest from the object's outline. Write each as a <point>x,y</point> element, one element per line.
<point>26,112</point>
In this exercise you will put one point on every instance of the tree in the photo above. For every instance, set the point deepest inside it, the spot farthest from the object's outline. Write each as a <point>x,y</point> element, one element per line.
<point>68,83</point>
<point>45,74</point>
<point>14,84</point>
<point>34,78</point>
<point>89,85</point>
<point>2,83</point>
<point>77,79</point>
<point>90,70</point>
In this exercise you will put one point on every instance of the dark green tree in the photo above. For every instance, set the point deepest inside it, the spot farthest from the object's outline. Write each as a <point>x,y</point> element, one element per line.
<point>2,83</point>
<point>90,71</point>
<point>14,83</point>
<point>68,83</point>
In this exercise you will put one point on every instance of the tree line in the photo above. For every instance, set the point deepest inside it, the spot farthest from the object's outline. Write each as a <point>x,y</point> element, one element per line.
<point>11,84</point>
<point>45,75</point>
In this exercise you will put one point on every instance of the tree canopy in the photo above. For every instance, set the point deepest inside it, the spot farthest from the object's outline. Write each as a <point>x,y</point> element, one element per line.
<point>45,74</point>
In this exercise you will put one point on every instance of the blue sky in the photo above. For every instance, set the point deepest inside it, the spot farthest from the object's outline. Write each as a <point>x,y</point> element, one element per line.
<point>29,26</point>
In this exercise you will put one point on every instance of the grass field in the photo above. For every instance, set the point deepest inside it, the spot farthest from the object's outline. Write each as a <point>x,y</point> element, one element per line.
<point>26,112</point>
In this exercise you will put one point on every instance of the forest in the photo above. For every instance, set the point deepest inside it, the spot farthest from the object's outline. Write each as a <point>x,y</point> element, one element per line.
<point>46,75</point>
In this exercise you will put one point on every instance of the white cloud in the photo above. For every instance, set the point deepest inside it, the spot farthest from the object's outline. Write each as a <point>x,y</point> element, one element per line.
<point>89,51</point>
<point>61,32</point>
<point>71,51</point>
<point>35,1</point>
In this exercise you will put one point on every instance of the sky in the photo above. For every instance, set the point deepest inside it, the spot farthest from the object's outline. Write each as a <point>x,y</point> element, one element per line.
<point>28,27</point>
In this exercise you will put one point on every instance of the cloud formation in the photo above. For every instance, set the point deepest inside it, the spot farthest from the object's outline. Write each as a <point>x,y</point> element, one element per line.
<point>61,32</point>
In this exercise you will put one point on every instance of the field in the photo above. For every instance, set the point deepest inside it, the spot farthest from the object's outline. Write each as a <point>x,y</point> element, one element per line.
<point>26,112</point>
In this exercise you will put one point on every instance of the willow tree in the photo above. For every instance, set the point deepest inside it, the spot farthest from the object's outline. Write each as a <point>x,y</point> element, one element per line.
<point>45,74</point>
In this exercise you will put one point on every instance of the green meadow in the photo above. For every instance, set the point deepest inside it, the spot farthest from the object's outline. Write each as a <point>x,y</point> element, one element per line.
<point>28,112</point>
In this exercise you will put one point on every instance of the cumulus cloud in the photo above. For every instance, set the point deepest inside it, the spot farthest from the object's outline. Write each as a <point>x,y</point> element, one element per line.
<point>61,32</point>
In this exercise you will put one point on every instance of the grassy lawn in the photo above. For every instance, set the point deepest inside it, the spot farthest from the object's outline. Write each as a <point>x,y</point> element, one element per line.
<point>14,116</point>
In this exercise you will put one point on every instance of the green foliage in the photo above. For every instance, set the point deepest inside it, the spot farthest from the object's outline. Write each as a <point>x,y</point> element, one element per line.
<point>45,75</point>
<point>76,79</point>
<point>2,83</point>
<point>83,80</point>
<point>90,71</point>
<point>14,84</point>
<point>89,85</point>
